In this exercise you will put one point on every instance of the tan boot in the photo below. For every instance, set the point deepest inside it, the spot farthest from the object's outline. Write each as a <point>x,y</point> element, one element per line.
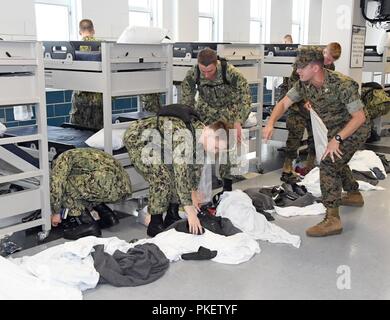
<point>352,199</point>
<point>331,225</point>
<point>288,165</point>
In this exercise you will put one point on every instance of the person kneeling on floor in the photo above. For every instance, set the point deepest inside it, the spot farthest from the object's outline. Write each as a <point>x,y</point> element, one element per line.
<point>81,181</point>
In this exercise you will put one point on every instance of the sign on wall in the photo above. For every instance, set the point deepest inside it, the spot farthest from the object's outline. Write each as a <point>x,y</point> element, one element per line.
<point>357,46</point>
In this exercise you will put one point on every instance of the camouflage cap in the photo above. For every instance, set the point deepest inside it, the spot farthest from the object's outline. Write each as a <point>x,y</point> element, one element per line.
<point>308,54</point>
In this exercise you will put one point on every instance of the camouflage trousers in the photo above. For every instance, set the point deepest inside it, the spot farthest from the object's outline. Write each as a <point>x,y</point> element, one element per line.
<point>337,176</point>
<point>87,110</point>
<point>160,177</point>
<point>297,120</point>
<point>86,191</point>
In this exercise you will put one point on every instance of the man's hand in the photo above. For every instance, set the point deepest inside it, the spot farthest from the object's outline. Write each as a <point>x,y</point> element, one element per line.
<point>55,219</point>
<point>332,149</point>
<point>307,105</point>
<point>193,220</point>
<point>197,199</point>
<point>238,127</point>
<point>268,130</point>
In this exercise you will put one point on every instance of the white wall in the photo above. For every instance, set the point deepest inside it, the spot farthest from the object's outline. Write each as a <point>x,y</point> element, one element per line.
<point>17,20</point>
<point>187,20</point>
<point>169,16</point>
<point>236,15</point>
<point>315,16</point>
<point>109,17</point>
<point>338,16</point>
<point>281,19</point>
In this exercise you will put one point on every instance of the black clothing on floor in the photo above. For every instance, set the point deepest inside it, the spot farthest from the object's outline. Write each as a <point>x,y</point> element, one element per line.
<point>141,265</point>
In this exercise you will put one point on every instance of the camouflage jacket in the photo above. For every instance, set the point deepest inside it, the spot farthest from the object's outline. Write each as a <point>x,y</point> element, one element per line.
<point>218,100</point>
<point>376,101</point>
<point>87,169</point>
<point>186,175</point>
<point>334,101</point>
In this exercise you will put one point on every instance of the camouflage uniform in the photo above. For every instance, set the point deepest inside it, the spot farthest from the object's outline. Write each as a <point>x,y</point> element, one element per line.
<point>218,101</point>
<point>298,119</point>
<point>151,102</point>
<point>83,178</point>
<point>376,101</point>
<point>168,183</point>
<point>87,107</point>
<point>334,102</point>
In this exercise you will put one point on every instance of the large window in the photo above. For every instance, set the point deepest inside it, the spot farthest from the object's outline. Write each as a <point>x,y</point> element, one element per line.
<point>207,20</point>
<point>143,13</point>
<point>258,21</point>
<point>299,26</point>
<point>54,20</point>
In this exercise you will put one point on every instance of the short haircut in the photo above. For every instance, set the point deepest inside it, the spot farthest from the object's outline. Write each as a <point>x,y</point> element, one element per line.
<point>207,56</point>
<point>288,36</point>
<point>334,49</point>
<point>86,25</point>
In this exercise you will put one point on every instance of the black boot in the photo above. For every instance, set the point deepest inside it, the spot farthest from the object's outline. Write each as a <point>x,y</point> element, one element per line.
<point>227,185</point>
<point>156,225</point>
<point>83,226</point>
<point>108,217</point>
<point>172,215</point>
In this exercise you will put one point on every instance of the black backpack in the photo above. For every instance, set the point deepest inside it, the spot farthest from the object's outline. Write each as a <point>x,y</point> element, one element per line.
<point>224,72</point>
<point>181,111</point>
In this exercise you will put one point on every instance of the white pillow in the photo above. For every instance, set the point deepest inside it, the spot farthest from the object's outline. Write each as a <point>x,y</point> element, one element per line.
<point>97,140</point>
<point>3,128</point>
<point>138,34</point>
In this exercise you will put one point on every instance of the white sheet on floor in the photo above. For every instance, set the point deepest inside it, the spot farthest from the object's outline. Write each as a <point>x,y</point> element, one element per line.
<point>71,263</point>
<point>18,284</point>
<point>237,206</point>
<point>312,183</point>
<point>314,209</point>
<point>234,249</point>
<point>366,160</point>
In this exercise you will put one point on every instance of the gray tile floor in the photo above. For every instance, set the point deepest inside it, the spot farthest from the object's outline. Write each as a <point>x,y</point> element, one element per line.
<point>279,271</point>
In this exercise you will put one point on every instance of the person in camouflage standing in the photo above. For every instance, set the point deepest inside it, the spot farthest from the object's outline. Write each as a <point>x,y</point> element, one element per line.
<point>87,107</point>
<point>377,103</point>
<point>335,98</point>
<point>223,96</point>
<point>84,179</point>
<point>298,118</point>
<point>171,182</point>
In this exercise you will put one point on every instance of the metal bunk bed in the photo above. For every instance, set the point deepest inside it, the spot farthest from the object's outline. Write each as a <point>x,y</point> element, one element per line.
<point>115,70</point>
<point>378,65</point>
<point>248,58</point>
<point>278,60</point>
<point>22,83</point>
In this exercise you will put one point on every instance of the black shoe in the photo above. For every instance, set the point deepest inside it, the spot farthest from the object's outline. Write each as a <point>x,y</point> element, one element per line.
<point>172,215</point>
<point>289,177</point>
<point>227,185</point>
<point>82,226</point>
<point>76,229</point>
<point>156,225</point>
<point>108,218</point>
<point>373,136</point>
<point>154,229</point>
